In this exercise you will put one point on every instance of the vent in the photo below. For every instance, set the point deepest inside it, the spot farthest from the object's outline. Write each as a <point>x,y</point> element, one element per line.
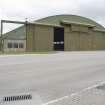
<point>17,98</point>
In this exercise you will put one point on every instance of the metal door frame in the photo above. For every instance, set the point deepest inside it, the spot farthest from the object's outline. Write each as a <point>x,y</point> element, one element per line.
<point>61,42</point>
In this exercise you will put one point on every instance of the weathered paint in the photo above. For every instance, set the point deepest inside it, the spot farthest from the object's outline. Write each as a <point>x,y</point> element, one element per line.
<point>30,37</point>
<point>76,38</point>
<point>83,38</point>
<point>99,40</point>
<point>72,41</point>
<point>39,38</point>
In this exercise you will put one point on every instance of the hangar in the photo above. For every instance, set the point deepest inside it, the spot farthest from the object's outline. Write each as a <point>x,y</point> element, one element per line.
<point>58,33</point>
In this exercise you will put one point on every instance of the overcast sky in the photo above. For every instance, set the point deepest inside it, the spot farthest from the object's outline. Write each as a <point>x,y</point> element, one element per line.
<point>36,9</point>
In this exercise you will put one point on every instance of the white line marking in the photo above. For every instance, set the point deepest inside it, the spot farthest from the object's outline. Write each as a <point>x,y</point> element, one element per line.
<point>74,94</point>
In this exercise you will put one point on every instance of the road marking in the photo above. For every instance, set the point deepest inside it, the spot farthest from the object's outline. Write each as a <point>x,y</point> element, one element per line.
<point>74,94</point>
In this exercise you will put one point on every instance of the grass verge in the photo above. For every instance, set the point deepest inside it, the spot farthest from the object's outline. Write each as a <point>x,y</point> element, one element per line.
<point>20,53</point>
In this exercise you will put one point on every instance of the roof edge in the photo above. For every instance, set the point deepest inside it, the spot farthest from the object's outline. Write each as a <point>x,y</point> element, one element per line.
<point>77,23</point>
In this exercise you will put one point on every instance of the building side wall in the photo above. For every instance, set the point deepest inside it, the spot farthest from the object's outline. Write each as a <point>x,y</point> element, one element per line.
<point>72,41</point>
<point>30,31</point>
<point>39,38</point>
<point>0,44</point>
<point>85,41</point>
<point>76,38</point>
<point>6,49</point>
<point>99,40</point>
<point>83,38</point>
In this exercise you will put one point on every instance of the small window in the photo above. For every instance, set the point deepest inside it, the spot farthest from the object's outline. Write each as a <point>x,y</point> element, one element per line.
<point>21,45</point>
<point>9,45</point>
<point>15,45</point>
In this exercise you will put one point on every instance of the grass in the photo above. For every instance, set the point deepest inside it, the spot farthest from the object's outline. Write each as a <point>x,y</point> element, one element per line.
<point>20,53</point>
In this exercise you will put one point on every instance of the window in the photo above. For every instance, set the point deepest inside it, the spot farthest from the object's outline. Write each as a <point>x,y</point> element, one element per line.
<point>21,45</point>
<point>15,45</point>
<point>9,45</point>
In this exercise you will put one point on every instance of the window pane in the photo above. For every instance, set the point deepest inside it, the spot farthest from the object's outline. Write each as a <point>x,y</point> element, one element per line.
<point>15,45</point>
<point>9,45</point>
<point>21,45</point>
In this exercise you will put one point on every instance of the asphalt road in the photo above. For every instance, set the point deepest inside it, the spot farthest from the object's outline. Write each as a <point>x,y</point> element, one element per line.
<point>50,76</point>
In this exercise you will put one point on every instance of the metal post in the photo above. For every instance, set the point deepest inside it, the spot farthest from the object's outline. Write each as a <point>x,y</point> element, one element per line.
<point>2,42</point>
<point>26,32</point>
<point>1,32</point>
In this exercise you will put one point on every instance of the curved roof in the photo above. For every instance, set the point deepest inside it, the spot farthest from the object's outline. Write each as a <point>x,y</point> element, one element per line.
<point>55,20</point>
<point>18,34</point>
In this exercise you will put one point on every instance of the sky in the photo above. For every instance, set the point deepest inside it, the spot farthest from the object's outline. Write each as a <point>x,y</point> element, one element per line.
<point>36,9</point>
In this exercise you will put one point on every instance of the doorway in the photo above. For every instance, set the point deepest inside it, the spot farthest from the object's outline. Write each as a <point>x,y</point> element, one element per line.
<point>58,39</point>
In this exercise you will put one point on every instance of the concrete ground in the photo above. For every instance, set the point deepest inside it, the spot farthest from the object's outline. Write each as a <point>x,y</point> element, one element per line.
<point>52,79</point>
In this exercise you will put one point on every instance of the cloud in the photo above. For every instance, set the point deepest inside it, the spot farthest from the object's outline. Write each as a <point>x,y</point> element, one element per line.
<point>94,9</point>
<point>36,9</point>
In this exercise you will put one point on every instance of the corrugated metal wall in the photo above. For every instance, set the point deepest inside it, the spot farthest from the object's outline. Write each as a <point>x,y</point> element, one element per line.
<point>76,38</point>
<point>99,40</point>
<point>83,38</point>
<point>39,38</point>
